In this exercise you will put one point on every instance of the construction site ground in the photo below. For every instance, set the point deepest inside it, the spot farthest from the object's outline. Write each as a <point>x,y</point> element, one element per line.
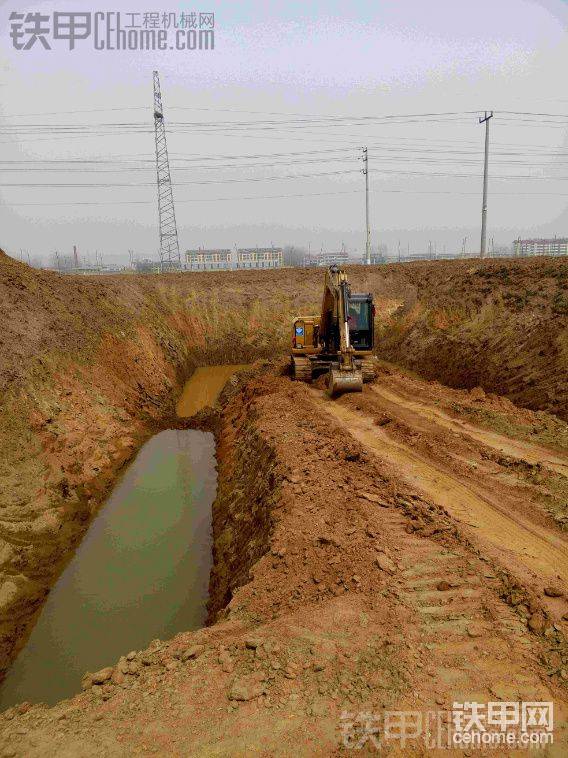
<point>403,549</point>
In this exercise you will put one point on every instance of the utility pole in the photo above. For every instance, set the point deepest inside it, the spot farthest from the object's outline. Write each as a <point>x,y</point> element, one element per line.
<point>485,120</point>
<point>368,228</point>
<point>169,245</point>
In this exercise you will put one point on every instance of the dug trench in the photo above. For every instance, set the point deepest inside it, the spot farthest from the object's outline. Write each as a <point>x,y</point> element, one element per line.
<point>339,582</point>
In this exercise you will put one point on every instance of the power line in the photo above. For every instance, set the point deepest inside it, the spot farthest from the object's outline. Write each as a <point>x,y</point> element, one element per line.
<point>269,113</point>
<point>343,172</point>
<point>298,195</point>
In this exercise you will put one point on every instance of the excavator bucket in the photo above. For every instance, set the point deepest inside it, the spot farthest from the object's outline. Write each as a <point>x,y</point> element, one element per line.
<point>339,381</point>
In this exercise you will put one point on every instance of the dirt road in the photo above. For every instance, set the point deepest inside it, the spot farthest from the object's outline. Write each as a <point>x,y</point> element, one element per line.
<point>452,462</point>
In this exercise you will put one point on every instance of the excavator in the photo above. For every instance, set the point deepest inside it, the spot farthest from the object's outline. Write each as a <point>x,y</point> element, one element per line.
<point>340,342</point>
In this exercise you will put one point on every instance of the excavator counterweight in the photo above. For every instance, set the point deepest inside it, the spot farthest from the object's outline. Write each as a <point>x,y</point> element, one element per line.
<point>340,342</point>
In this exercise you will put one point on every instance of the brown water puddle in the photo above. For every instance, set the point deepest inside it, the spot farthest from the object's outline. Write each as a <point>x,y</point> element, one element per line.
<point>140,573</point>
<point>203,388</point>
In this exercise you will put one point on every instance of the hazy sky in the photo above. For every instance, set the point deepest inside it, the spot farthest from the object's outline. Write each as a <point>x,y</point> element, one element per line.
<point>278,113</point>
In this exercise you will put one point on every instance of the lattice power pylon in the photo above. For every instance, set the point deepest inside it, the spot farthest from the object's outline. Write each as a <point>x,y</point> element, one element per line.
<point>169,245</point>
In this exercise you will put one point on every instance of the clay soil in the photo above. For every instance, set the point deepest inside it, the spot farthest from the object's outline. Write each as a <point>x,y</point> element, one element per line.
<point>396,550</point>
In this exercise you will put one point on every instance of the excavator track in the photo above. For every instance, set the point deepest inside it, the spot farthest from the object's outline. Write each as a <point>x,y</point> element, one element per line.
<point>301,369</point>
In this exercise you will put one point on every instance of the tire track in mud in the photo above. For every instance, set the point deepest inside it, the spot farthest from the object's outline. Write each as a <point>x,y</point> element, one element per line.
<point>543,552</point>
<point>534,454</point>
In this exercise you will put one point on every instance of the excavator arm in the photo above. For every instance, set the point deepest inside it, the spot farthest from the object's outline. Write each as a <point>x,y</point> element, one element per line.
<point>334,334</point>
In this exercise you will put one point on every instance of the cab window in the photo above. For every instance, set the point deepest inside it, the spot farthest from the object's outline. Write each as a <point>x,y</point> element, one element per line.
<point>358,315</point>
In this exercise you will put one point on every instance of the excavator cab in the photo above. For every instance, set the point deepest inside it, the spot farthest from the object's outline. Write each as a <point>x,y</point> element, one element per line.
<point>340,342</point>
<point>360,322</point>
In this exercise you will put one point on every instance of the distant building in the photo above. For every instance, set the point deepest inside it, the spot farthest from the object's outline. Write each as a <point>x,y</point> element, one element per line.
<point>340,258</point>
<point>207,260</point>
<point>259,257</point>
<point>555,246</point>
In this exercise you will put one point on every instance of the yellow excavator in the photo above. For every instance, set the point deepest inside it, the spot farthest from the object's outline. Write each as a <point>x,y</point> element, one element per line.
<point>339,342</point>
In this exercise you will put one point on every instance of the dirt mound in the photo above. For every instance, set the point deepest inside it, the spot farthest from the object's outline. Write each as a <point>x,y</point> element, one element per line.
<point>499,325</point>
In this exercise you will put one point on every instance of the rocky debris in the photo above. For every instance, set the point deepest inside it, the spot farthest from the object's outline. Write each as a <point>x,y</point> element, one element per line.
<point>98,678</point>
<point>328,539</point>
<point>385,563</point>
<point>443,586</point>
<point>475,629</point>
<point>118,677</point>
<point>371,498</point>
<point>192,652</point>
<point>252,643</point>
<point>293,478</point>
<point>247,687</point>
<point>291,671</point>
<point>552,591</point>
<point>134,667</point>
<point>148,658</point>
<point>122,665</point>
<point>516,597</point>
<point>537,622</point>
<point>351,453</point>
<point>226,661</point>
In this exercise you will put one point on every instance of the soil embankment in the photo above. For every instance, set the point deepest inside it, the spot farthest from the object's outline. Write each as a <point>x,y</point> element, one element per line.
<point>501,325</point>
